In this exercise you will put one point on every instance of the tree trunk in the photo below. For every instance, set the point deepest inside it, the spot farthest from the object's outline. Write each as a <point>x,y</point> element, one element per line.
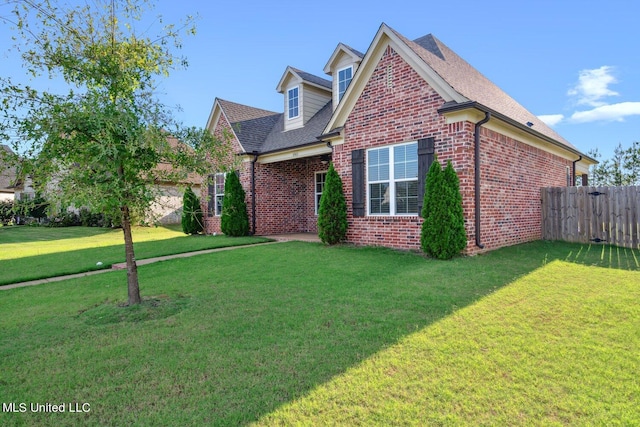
<point>132,268</point>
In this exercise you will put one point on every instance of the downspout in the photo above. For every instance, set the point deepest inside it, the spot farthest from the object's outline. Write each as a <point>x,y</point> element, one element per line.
<point>253,192</point>
<point>487,117</point>
<point>573,171</point>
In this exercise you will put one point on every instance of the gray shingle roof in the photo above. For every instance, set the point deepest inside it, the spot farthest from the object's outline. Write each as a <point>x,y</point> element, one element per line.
<point>308,77</point>
<point>355,51</point>
<point>251,125</point>
<point>470,83</point>
<point>278,139</point>
<point>262,131</point>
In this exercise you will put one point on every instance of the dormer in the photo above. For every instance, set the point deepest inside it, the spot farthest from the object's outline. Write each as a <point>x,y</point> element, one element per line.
<point>342,66</point>
<point>304,95</point>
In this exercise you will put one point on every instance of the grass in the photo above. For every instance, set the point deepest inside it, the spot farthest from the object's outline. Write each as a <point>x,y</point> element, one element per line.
<point>30,253</point>
<point>299,333</point>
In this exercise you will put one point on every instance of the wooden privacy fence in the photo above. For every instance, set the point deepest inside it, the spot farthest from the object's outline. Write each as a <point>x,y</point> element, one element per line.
<point>592,214</point>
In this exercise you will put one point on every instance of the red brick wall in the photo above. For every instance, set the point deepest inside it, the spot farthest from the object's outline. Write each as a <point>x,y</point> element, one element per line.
<point>511,178</point>
<point>285,196</point>
<point>397,106</point>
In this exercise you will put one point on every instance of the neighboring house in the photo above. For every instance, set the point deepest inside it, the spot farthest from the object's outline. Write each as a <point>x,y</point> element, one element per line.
<point>7,178</point>
<point>381,119</point>
<point>167,208</point>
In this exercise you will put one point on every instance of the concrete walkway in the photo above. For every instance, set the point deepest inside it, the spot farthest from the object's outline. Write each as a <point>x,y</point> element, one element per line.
<point>305,237</point>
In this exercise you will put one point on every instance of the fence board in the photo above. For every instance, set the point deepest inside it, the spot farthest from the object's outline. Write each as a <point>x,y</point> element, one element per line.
<point>592,214</point>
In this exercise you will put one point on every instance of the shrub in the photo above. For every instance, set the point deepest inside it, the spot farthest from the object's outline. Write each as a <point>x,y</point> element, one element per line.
<point>235,220</point>
<point>332,213</point>
<point>6,212</point>
<point>36,207</point>
<point>191,213</point>
<point>64,219</point>
<point>443,234</point>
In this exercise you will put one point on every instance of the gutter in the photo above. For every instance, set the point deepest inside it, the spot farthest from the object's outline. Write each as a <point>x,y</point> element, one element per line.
<point>253,192</point>
<point>573,171</point>
<point>487,117</point>
<point>453,106</point>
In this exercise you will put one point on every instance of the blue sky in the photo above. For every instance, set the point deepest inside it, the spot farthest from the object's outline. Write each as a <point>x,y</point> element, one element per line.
<point>577,63</point>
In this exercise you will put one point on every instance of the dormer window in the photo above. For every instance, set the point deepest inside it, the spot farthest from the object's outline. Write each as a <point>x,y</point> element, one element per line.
<point>292,102</point>
<point>344,78</point>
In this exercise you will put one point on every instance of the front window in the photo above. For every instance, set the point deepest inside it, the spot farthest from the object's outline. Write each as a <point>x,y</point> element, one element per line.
<point>392,180</point>
<point>219,192</point>
<point>321,177</point>
<point>344,78</point>
<point>292,98</point>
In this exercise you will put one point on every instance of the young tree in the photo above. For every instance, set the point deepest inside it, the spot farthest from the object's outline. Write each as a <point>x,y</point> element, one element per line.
<point>100,141</point>
<point>332,213</point>
<point>622,169</point>
<point>235,220</point>
<point>191,213</point>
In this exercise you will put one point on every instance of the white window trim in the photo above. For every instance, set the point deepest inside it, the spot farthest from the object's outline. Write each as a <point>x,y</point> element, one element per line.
<point>289,117</point>
<point>315,190</point>
<point>391,181</point>
<point>215,193</point>
<point>338,83</point>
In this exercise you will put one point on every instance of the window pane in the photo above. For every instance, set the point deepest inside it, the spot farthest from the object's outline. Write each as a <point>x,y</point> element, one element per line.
<point>379,164</point>
<point>321,177</point>
<point>344,78</point>
<point>219,201</point>
<point>379,198</point>
<point>405,160</point>
<point>407,197</point>
<point>219,183</point>
<point>293,102</point>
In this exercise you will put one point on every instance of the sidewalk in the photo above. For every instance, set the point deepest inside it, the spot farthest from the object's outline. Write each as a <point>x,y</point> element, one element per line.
<point>304,237</point>
<point>122,266</point>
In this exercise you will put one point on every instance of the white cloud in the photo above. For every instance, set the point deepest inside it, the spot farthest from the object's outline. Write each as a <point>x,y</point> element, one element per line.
<point>612,112</point>
<point>593,85</point>
<point>551,119</point>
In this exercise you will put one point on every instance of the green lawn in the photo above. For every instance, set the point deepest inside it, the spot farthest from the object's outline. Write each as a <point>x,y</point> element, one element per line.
<point>298,333</point>
<point>29,253</point>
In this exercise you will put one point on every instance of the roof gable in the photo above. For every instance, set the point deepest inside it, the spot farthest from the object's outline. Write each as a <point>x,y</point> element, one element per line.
<point>342,49</point>
<point>452,77</point>
<point>250,125</point>
<point>302,77</point>
<point>386,37</point>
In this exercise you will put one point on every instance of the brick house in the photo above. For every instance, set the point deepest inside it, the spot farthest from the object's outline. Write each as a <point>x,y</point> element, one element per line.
<point>381,119</point>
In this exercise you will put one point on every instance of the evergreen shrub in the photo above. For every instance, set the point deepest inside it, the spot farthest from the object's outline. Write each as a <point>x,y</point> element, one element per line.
<point>332,213</point>
<point>235,220</point>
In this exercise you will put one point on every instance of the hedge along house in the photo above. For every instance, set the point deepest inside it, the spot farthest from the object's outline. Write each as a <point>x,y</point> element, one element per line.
<point>381,120</point>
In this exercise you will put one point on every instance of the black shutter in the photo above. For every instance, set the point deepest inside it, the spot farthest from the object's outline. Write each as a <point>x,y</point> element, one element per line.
<point>426,150</point>
<point>211,203</point>
<point>357,181</point>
